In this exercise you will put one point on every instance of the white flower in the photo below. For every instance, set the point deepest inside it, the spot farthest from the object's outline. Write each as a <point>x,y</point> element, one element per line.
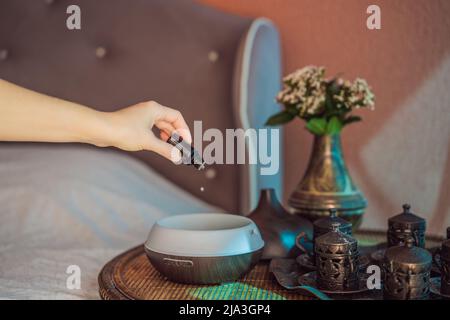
<point>306,90</point>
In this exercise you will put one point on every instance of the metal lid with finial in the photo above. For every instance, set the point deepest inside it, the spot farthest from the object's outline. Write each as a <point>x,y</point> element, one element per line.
<point>407,219</point>
<point>410,256</point>
<point>445,250</point>
<point>335,242</point>
<point>324,225</point>
<point>335,225</point>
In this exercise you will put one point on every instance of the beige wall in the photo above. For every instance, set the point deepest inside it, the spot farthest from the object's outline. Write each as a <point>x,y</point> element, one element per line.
<point>400,153</point>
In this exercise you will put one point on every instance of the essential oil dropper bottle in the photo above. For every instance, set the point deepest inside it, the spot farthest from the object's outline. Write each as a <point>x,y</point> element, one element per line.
<point>189,155</point>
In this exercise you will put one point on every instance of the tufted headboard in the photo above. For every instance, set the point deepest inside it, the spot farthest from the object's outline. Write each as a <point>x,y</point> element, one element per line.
<point>212,66</point>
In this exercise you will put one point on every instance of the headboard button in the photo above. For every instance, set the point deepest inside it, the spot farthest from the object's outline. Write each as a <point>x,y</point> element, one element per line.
<point>210,173</point>
<point>100,52</point>
<point>3,54</point>
<point>213,56</point>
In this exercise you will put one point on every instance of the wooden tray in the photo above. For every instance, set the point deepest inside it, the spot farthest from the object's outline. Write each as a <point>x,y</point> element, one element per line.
<point>131,276</point>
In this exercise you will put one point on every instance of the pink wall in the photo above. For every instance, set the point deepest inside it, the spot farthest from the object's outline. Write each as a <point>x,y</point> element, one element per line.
<point>400,152</point>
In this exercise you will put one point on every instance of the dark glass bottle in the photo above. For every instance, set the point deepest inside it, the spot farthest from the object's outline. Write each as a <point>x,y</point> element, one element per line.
<point>278,227</point>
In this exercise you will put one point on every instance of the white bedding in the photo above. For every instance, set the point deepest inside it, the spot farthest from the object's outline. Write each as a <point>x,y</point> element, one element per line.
<point>64,205</point>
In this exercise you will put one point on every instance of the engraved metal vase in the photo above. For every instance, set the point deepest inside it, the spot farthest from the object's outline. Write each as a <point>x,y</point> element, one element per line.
<point>337,261</point>
<point>327,184</point>
<point>406,272</point>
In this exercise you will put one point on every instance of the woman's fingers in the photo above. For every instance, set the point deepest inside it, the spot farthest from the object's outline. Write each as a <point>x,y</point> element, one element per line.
<point>163,148</point>
<point>173,117</point>
<point>131,128</point>
<point>164,135</point>
<point>165,128</point>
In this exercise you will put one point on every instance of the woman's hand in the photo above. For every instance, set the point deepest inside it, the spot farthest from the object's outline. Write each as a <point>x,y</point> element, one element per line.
<point>26,115</point>
<point>131,128</point>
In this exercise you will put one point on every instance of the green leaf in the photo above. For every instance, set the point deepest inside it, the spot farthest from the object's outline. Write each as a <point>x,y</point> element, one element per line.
<point>328,103</point>
<point>328,99</point>
<point>317,126</point>
<point>280,118</point>
<point>351,119</point>
<point>292,109</point>
<point>334,126</point>
<point>333,87</point>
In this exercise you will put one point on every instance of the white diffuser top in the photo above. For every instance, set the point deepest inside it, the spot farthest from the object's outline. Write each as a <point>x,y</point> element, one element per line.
<point>204,235</point>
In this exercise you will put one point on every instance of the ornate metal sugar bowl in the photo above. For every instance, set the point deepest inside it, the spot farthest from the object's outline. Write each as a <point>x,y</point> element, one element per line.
<point>325,225</point>
<point>445,267</point>
<point>337,260</point>
<point>320,227</point>
<point>406,272</point>
<point>406,225</point>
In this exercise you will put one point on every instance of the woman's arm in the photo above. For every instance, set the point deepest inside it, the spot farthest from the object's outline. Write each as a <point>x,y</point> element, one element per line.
<point>26,115</point>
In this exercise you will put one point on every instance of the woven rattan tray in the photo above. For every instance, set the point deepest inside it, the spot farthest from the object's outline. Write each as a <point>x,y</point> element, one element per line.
<point>131,276</point>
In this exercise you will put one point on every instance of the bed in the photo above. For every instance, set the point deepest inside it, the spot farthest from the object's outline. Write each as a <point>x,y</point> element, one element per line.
<point>75,205</point>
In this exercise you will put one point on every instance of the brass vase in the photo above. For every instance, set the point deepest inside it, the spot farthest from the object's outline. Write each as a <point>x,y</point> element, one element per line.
<point>327,184</point>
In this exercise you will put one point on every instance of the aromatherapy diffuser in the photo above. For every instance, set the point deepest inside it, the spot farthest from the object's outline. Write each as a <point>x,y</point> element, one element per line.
<point>204,248</point>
